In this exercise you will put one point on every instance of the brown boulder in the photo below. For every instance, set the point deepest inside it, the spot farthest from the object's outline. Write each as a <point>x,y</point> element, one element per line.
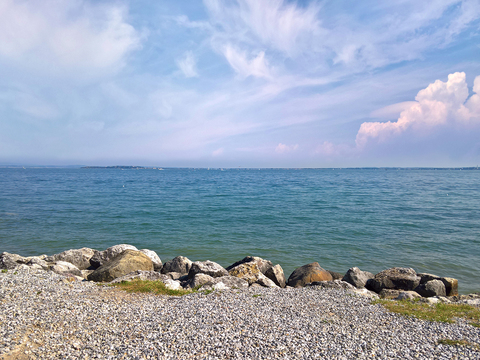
<point>123,264</point>
<point>307,274</point>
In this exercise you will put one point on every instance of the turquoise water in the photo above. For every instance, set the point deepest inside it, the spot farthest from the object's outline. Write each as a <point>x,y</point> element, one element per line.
<point>370,218</point>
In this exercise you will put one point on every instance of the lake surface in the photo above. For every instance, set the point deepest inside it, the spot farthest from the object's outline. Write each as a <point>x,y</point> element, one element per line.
<point>370,218</point>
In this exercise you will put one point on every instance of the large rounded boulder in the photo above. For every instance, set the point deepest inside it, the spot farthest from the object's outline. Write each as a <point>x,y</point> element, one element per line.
<point>78,257</point>
<point>357,277</point>
<point>307,274</point>
<point>123,264</point>
<point>207,267</point>
<point>180,265</point>
<point>103,257</point>
<point>262,264</point>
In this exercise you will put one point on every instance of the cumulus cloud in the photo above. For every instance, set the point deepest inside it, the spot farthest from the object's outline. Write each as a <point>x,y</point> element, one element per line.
<point>188,65</point>
<point>66,34</point>
<point>257,67</point>
<point>440,105</point>
<point>283,148</point>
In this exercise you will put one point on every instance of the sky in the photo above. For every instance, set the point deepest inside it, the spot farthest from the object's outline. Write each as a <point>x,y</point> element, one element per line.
<point>240,83</point>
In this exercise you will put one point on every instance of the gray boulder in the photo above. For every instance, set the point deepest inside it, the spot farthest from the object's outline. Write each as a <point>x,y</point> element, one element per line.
<point>389,293</point>
<point>431,288</point>
<point>198,280</point>
<point>102,257</point>
<point>335,275</point>
<point>78,257</point>
<point>357,277</point>
<point>307,274</point>
<point>231,282</point>
<point>263,265</point>
<point>123,264</point>
<point>394,278</point>
<point>64,268</point>
<point>180,264</point>
<point>38,263</point>
<point>11,261</point>
<point>206,267</point>
<point>277,275</point>
<point>157,262</point>
<point>175,275</point>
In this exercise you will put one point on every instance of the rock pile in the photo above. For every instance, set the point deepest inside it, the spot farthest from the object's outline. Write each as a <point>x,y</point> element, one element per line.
<point>125,262</point>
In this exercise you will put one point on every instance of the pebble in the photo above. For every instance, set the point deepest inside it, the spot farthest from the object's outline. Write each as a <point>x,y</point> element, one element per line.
<point>47,316</point>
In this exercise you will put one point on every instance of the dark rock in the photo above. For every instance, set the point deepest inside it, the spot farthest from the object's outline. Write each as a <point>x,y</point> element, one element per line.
<point>180,264</point>
<point>389,293</point>
<point>263,265</point>
<point>123,264</point>
<point>206,267</point>
<point>335,275</point>
<point>276,274</point>
<point>78,257</point>
<point>102,257</point>
<point>307,274</point>
<point>394,278</point>
<point>357,277</point>
<point>451,286</point>
<point>424,277</point>
<point>431,288</point>
<point>175,275</point>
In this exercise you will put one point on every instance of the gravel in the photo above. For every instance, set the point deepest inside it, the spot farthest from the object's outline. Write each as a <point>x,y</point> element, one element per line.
<point>45,316</point>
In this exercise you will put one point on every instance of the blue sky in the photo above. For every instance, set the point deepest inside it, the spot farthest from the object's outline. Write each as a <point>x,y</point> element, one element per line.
<point>250,83</point>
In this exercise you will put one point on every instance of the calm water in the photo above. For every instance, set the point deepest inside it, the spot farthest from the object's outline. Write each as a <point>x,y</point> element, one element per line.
<point>373,219</point>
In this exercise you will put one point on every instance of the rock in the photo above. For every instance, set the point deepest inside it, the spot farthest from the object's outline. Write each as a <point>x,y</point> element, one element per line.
<point>424,277</point>
<point>38,262</point>
<point>231,282</point>
<point>63,268</point>
<point>451,286</point>
<point>206,267</point>
<point>102,257</point>
<point>175,275</point>
<point>123,264</point>
<point>85,273</point>
<point>333,284</point>
<point>394,278</point>
<point>357,277</point>
<point>142,275</point>
<point>173,284</point>
<point>180,264</point>
<point>408,295</point>
<point>389,293</point>
<point>265,281</point>
<point>11,261</point>
<point>263,265</point>
<point>364,292</point>
<point>277,275</point>
<point>307,274</point>
<point>78,257</point>
<point>157,263</point>
<point>430,300</point>
<point>431,288</point>
<point>248,271</point>
<point>198,280</point>
<point>335,275</point>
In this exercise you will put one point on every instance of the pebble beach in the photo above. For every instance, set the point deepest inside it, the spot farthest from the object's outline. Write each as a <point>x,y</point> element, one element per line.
<point>44,315</point>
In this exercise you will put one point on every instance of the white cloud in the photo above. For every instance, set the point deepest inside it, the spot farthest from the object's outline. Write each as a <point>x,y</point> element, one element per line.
<point>257,66</point>
<point>283,148</point>
<point>66,34</point>
<point>188,65</point>
<point>391,111</point>
<point>439,105</point>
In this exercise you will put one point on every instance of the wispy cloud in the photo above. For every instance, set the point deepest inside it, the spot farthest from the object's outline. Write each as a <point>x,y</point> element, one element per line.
<point>283,148</point>
<point>188,65</point>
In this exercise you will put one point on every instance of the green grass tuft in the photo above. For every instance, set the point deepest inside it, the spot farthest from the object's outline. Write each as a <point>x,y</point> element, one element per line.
<point>4,271</point>
<point>437,312</point>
